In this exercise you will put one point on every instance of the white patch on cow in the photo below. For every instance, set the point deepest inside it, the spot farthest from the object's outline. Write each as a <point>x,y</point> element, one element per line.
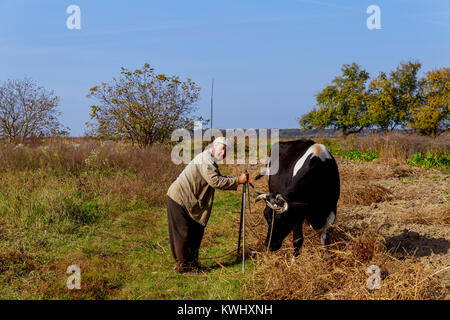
<point>318,150</point>
<point>302,160</point>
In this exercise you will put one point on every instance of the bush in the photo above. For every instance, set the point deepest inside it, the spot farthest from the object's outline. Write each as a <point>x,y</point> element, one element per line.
<point>358,156</point>
<point>432,159</point>
<point>399,148</point>
<point>353,154</point>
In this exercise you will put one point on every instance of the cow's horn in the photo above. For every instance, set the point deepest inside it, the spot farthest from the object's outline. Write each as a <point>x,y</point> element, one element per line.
<point>261,197</point>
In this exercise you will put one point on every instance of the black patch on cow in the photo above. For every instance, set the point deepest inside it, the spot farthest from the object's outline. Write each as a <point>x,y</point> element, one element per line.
<point>311,194</point>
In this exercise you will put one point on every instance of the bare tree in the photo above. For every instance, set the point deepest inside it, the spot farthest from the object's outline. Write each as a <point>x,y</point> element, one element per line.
<point>28,110</point>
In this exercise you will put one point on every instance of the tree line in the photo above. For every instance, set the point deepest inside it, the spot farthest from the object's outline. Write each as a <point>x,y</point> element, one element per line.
<point>399,99</point>
<point>146,107</point>
<point>141,105</point>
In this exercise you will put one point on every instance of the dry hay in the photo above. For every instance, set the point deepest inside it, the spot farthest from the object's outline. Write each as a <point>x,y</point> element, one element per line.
<point>342,274</point>
<point>357,193</point>
<point>350,170</point>
<point>439,215</point>
<point>374,170</point>
<point>357,187</point>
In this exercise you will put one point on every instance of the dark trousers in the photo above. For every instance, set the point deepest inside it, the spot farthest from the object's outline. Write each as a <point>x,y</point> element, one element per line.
<point>185,235</point>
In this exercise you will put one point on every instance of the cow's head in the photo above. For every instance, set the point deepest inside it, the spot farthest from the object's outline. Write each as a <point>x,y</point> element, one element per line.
<point>280,219</point>
<point>274,201</point>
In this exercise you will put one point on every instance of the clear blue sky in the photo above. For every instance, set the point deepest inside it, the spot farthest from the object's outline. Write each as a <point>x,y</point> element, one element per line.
<point>268,58</point>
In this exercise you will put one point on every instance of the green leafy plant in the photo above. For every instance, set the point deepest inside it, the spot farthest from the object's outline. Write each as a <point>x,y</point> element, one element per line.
<point>359,156</point>
<point>431,159</point>
<point>354,154</point>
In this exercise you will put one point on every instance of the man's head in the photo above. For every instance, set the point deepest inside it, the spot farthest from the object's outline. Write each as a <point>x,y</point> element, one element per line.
<point>219,148</point>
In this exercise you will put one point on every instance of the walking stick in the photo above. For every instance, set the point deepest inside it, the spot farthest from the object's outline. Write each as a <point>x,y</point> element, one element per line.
<point>242,228</point>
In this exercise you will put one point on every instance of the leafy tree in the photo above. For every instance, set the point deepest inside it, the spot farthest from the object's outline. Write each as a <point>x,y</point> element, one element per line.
<point>316,118</point>
<point>432,115</point>
<point>342,105</point>
<point>392,98</point>
<point>405,92</point>
<point>380,103</point>
<point>28,110</point>
<point>143,106</point>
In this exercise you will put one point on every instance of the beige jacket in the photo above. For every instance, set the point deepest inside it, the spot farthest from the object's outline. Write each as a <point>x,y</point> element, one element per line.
<point>194,187</point>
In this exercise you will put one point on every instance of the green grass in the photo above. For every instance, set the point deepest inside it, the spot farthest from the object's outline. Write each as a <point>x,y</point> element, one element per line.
<point>123,254</point>
<point>357,155</point>
<point>221,282</point>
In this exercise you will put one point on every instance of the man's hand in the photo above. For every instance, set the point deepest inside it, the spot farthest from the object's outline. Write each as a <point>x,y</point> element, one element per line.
<point>243,178</point>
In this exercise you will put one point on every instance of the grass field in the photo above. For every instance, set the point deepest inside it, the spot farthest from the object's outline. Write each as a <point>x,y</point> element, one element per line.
<point>100,205</point>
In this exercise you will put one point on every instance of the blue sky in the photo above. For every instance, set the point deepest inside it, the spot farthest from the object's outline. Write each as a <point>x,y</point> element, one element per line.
<point>268,58</point>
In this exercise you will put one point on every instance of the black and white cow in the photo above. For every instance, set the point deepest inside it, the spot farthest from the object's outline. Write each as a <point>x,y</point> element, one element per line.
<point>306,187</point>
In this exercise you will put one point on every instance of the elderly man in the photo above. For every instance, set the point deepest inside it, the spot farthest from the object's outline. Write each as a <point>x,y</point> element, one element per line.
<point>189,203</point>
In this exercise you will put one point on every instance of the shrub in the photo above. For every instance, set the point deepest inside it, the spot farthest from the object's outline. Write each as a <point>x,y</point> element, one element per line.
<point>436,159</point>
<point>353,154</point>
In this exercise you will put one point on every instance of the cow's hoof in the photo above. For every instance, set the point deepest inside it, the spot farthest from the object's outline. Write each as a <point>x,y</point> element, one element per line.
<point>325,254</point>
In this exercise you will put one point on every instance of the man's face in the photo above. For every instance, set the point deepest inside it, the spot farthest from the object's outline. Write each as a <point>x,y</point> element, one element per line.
<point>219,151</point>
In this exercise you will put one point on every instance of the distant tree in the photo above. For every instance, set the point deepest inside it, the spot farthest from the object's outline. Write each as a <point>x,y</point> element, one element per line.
<point>28,110</point>
<point>405,94</point>
<point>143,106</point>
<point>432,115</point>
<point>392,98</point>
<point>380,104</point>
<point>343,104</point>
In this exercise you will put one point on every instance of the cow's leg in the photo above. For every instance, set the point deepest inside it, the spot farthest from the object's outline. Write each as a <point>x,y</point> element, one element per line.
<point>324,238</point>
<point>324,235</point>
<point>297,237</point>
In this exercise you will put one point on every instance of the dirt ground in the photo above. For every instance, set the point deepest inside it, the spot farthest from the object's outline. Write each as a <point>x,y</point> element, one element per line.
<point>409,219</point>
<point>409,207</point>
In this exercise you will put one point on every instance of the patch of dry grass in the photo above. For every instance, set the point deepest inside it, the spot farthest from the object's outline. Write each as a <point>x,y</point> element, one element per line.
<point>357,193</point>
<point>437,216</point>
<point>342,274</point>
<point>357,187</point>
